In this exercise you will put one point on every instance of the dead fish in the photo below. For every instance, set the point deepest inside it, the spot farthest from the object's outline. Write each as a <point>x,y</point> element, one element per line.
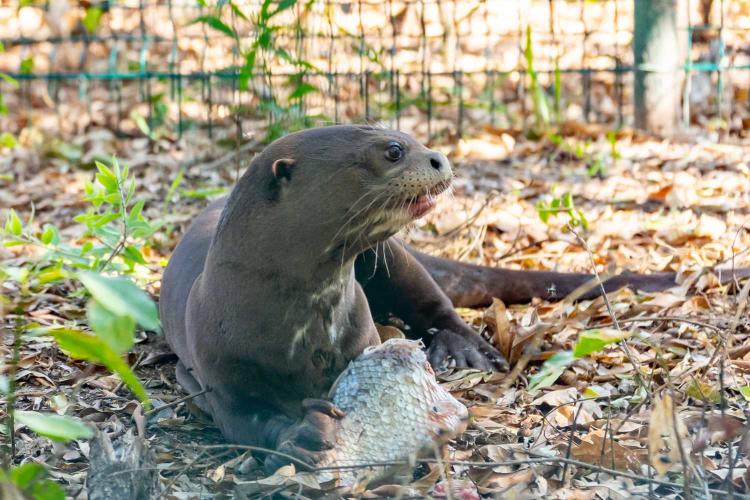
<point>394,409</point>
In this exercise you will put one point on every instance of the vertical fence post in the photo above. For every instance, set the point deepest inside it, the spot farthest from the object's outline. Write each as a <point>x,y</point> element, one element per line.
<point>657,60</point>
<point>687,87</point>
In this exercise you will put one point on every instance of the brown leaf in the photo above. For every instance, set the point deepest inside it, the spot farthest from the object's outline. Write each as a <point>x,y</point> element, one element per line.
<point>490,482</point>
<point>666,434</point>
<point>497,319</point>
<point>387,332</point>
<point>598,448</point>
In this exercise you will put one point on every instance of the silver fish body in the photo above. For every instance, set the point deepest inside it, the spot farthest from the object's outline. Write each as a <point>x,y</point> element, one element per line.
<point>394,408</point>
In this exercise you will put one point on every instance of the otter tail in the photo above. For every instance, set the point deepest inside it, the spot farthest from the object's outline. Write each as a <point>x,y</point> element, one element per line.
<point>469,285</point>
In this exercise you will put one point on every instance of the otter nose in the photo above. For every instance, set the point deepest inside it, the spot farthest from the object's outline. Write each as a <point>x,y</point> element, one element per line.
<point>438,161</point>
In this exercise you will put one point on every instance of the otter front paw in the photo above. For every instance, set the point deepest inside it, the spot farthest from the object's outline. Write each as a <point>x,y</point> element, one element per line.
<point>310,440</point>
<point>468,350</point>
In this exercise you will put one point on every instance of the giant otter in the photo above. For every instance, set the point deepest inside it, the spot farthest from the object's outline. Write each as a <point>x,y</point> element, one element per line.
<point>272,291</point>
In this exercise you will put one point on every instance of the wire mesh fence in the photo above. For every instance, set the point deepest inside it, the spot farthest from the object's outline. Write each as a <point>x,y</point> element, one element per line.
<point>435,68</point>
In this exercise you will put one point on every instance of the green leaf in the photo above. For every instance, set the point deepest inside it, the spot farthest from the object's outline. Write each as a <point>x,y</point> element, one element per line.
<point>8,140</point>
<point>81,345</point>
<point>56,427</point>
<point>583,219</point>
<point>47,490</point>
<point>264,38</point>
<point>203,192</point>
<point>50,235</point>
<point>543,210</point>
<point>26,474</point>
<point>550,370</point>
<point>173,187</point>
<point>301,90</point>
<point>92,18</point>
<point>134,254</point>
<point>30,479</point>
<point>135,211</point>
<point>52,275</point>
<point>9,80</point>
<point>141,123</point>
<point>745,392</point>
<point>103,219</point>
<point>702,391</point>
<point>595,340</point>
<point>107,178</point>
<point>117,331</point>
<point>27,65</point>
<point>567,201</point>
<point>246,72</point>
<point>216,24</point>
<point>13,224</point>
<point>122,297</point>
<point>237,11</point>
<point>283,5</point>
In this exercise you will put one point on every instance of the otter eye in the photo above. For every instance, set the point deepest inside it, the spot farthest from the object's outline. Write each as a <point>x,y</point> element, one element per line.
<point>394,152</point>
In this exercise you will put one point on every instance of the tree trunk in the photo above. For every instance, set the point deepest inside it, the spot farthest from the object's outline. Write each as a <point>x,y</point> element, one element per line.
<point>656,50</point>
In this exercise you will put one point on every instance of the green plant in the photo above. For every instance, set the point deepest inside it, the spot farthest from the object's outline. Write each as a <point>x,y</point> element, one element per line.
<point>561,205</point>
<point>116,230</point>
<point>7,140</point>
<point>589,342</point>
<point>285,114</point>
<point>538,96</point>
<point>29,481</point>
<point>596,164</point>
<point>92,18</point>
<point>155,125</point>
<point>112,241</point>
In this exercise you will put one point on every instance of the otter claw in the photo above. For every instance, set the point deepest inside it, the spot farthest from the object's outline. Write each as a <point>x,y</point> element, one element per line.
<point>468,351</point>
<point>311,439</point>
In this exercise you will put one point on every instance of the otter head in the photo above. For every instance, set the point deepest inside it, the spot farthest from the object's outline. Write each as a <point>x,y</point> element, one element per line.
<point>344,188</point>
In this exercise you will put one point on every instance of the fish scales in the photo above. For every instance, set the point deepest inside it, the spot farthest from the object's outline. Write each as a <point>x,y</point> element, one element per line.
<point>394,408</point>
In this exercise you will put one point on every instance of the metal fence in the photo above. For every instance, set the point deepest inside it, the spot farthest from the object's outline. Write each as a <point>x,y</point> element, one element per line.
<point>433,67</point>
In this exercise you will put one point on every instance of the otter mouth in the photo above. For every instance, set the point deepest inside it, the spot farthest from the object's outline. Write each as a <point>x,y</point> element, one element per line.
<point>419,205</point>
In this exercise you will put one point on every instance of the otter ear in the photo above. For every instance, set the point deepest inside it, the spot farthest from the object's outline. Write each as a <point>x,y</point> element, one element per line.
<point>282,168</point>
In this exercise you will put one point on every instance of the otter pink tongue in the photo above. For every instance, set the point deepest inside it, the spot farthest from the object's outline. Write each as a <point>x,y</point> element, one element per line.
<point>421,205</point>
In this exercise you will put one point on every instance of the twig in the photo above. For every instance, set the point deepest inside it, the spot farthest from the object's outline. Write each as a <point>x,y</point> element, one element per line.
<point>683,455</point>
<point>610,310</point>
<point>10,423</point>
<point>570,441</point>
<point>742,303</point>
<point>534,459</point>
<point>176,402</point>
<point>442,467</point>
<point>260,449</point>
<point>665,318</point>
<point>124,220</point>
<point>468,222</point>
<point>734,240</point>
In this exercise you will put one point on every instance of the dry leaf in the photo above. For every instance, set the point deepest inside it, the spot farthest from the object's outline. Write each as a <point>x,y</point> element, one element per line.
<point>667,435</point>
<point>598,448</point>
<point>387,332</point>
<point>496,318</point>
<point>217,474</point>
